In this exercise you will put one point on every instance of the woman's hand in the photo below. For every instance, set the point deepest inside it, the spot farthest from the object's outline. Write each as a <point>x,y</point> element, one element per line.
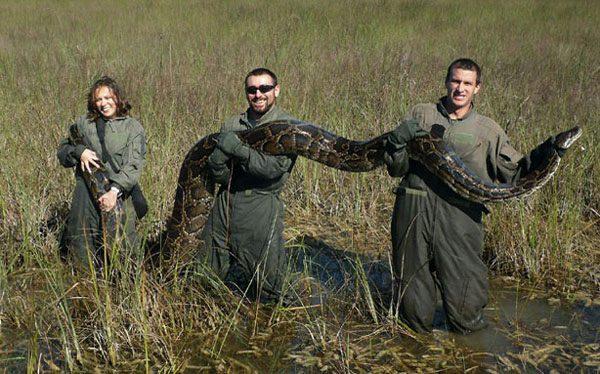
<point>89,157</point>
<point>108,201</point>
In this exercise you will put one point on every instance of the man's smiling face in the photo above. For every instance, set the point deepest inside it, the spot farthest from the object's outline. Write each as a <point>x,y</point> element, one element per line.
<point>260,102</point>
<point>462,86</point>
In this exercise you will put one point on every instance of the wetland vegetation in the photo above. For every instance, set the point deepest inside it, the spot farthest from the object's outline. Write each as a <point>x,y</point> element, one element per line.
<point>353,68</point>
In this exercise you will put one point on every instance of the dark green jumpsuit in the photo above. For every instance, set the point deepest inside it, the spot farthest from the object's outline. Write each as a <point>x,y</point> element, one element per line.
<point>437,236</point>
<point>126,144</point>
<point>244,231</point>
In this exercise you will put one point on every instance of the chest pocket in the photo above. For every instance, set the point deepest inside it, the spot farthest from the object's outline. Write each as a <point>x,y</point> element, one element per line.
<point>465,144</point>
<point>116,146</point>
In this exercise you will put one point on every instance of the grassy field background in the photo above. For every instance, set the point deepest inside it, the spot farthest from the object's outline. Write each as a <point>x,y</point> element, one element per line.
<point>354,68</point>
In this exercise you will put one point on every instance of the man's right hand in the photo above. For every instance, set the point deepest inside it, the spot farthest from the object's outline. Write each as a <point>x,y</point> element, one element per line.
<point>88,160</point>
<point>404,133</point>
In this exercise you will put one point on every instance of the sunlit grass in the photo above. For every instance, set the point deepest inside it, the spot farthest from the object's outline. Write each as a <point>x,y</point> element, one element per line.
<point>354,68</point>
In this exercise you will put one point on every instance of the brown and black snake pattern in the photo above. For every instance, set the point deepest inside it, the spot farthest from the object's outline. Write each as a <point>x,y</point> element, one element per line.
<point>195,188</point>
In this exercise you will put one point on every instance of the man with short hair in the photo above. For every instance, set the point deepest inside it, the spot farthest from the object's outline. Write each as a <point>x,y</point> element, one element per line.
<point>437,235</point>
<point>244,230</point>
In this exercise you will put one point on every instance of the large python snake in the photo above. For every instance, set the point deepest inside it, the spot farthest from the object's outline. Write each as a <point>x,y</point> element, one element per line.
<point>195,187</point>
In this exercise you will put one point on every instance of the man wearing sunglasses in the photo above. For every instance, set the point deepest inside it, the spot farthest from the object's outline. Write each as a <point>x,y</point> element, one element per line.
<point>244,233</point>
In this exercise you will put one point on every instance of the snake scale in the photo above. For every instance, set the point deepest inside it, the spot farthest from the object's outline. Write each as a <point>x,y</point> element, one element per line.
<point>195,187</point>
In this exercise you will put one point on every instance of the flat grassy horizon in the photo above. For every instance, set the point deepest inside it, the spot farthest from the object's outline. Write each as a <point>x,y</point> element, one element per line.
<point>354,68</point>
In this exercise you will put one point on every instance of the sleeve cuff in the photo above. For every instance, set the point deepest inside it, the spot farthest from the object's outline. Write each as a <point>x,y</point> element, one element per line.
<point>117,188</point>
<point>79,148</point>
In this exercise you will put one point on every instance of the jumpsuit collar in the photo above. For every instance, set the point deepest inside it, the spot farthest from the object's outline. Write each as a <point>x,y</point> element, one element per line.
<point>115,121</point>
<point>112,122</point>
<point>271,115</point>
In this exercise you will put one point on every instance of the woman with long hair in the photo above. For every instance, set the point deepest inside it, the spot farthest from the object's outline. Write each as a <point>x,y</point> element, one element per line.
<point>106,137</point>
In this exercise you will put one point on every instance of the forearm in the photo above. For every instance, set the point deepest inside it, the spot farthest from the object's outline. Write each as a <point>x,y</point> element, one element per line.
<point>266,166</point>
<point>69,154</point>
<point>127,177</point>
<point>252,161</point>
<point>511,172</point>
<point>396,156</point>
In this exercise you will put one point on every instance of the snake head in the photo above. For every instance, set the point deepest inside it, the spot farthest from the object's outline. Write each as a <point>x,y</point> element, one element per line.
<point>565,139</point>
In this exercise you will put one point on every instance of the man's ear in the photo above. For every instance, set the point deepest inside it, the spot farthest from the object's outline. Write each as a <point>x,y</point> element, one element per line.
<point>477,88</point>
<point>276,90</point>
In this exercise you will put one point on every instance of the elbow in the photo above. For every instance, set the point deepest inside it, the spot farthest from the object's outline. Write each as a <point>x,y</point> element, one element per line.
<point>64,160</point>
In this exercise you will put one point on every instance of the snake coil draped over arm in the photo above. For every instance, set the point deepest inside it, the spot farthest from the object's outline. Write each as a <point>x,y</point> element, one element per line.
<point>195,187</point>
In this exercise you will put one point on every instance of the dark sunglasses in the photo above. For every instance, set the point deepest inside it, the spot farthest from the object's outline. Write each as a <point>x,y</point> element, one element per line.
<point>264,88</point>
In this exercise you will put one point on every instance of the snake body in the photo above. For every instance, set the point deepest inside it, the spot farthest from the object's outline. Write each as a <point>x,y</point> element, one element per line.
<point>195,187</point>
<point>440,159</point>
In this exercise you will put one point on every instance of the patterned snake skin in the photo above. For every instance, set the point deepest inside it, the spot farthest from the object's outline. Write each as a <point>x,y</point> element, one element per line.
<point>195,187</point>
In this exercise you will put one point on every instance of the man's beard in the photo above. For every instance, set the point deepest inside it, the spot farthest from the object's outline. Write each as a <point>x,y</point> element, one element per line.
<point>262,112</point>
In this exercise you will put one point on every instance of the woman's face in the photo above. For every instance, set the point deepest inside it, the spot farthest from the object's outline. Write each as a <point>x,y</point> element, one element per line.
<point>106,102</point>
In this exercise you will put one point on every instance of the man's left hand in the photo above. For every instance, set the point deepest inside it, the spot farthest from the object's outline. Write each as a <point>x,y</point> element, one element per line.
<point>108,201</point>
<point>230,143</point>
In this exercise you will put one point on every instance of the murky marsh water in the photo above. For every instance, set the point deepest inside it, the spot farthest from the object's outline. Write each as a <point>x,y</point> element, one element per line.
<point>336,330</point>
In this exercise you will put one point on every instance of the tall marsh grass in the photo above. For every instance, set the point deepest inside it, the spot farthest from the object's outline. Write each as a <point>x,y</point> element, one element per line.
<point>354,68</point>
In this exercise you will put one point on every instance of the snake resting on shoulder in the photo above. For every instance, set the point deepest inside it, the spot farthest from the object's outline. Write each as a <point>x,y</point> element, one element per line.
<point>195,186</point>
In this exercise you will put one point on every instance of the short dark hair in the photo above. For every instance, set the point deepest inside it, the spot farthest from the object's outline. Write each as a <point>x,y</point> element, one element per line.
<point>123,106</point>
<point>261,71</point>
<point>465,64</point>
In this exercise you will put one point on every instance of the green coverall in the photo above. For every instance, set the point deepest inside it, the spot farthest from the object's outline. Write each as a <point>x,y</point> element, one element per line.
<point>125,143</point>
<point>437,236</point>
<point>244,230</point>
